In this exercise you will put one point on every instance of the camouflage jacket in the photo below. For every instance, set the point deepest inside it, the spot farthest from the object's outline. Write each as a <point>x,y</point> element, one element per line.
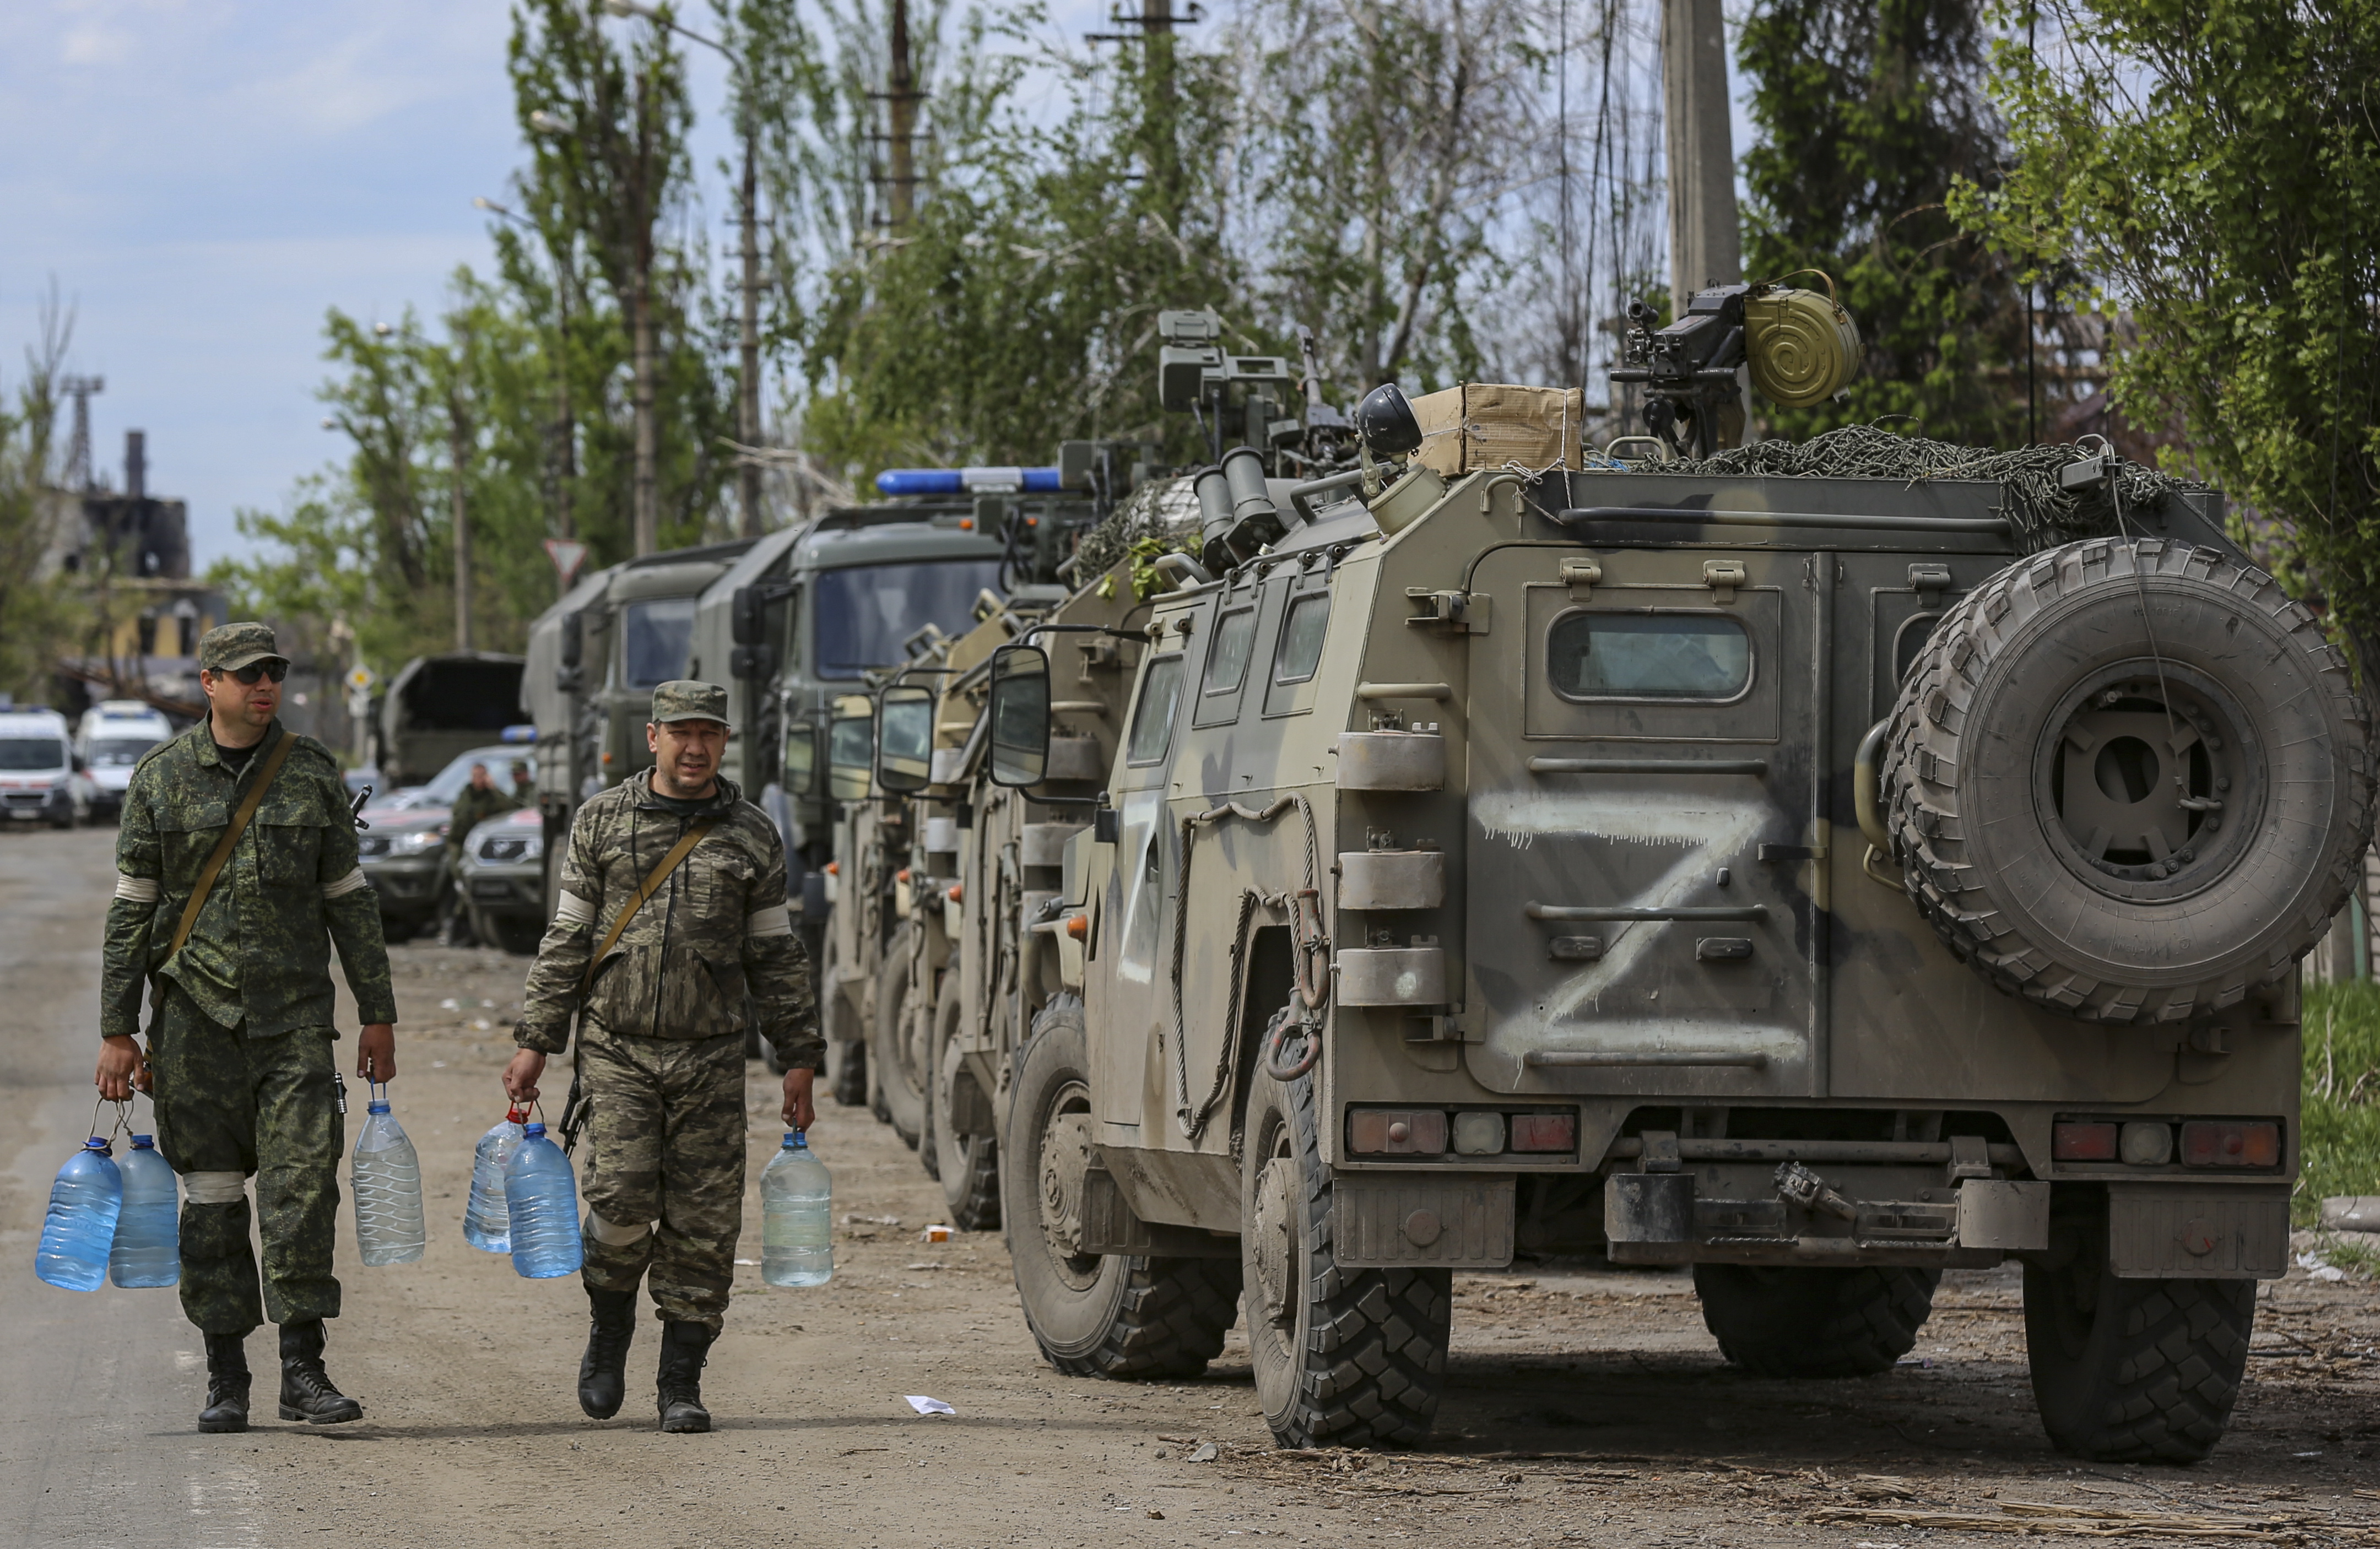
<point>710,951</point>
<point>473,808</point>
<point>261,952</point>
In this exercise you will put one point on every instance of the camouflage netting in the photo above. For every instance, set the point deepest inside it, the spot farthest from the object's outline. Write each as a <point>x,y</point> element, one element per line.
<point>2043,515</point>
<point>1165,509</point>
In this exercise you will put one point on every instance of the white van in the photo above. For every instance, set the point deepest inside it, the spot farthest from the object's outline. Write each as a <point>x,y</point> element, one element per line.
<point>114,735</point>
<point>41,777</point>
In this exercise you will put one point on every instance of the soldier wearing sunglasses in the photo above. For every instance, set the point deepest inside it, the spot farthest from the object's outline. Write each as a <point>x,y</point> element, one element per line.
<point>238,1059</point>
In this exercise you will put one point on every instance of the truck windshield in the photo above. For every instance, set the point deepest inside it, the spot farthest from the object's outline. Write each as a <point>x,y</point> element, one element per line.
<point>108,753</point>
<point>32,753</point>
<point>864,611</point>
<point>654,642</point>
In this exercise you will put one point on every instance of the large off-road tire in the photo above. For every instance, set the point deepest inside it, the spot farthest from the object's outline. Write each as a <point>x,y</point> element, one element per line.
<point>846,1047</point>
<point>2134,1370</point>
<point>2130,822</point>
<point>898,1083</point>
<point>1112,1316</point>
<point>1342,1357</point>
<point>968,1163</point>
<point>1795,1320</point>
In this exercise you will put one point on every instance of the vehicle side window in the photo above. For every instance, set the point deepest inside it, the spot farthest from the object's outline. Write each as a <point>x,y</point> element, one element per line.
<point>1152,724</point>
<point>1301,638</point>
<point>1227,663</point>
<point>1649,656</point>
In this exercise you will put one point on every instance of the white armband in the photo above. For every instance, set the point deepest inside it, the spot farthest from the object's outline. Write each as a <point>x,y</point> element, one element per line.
<point>136,890</point>
<point>345,884</point>
<point>574,910</point>
<point>772,921</point>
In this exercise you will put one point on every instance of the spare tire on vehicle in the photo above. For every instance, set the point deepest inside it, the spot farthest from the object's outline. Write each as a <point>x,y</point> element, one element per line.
<point>2130,781</point>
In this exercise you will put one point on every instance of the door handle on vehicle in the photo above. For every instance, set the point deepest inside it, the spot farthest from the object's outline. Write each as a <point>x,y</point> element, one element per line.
<point>1867,783</point>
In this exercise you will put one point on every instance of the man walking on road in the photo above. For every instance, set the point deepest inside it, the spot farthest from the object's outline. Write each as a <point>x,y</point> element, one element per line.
<point>237,856</point>
<point>672,934</point>
<point>480,801</point>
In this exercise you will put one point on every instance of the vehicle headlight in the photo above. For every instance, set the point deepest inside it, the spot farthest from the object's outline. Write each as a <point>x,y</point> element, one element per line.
<point>419,843</point>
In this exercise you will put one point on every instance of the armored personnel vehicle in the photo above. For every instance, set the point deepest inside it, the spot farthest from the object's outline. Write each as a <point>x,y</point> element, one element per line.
<point>1819,881</point>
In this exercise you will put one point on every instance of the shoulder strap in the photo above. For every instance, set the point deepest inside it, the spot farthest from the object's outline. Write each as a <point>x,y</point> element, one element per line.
<point>652,885</point>
<point>239,821</point>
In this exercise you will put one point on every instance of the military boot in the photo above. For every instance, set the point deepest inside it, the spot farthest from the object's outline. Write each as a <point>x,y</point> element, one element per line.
<point>306,1391</point>
<point>683,1348</point>
<point>603,1374</point>
<point>228,1381</point>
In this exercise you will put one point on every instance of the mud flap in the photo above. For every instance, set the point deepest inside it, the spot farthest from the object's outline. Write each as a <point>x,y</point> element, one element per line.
<point>2159,1232</point>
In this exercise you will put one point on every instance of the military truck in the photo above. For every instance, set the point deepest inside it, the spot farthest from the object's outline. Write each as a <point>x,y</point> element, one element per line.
<point>1821,882</point>
<point>440,705</point>
<point>866,588</point>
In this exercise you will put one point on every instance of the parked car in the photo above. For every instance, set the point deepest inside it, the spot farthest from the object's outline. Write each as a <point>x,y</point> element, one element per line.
<point>114,736</point>
<point>41,778</point>
<point>504,879</point>
<point>404,843</point>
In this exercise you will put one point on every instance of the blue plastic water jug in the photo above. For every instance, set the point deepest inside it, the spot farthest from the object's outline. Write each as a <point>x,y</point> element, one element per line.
<point>148,1250</point>
<point>80,1228</point>
<point>487,1225</point>
<point>386,1176</point>
<point>541,1204</point>
<point>797,1217</point>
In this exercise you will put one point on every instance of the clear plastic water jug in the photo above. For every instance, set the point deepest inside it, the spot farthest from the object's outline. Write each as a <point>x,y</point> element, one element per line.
<point>541,1205</point>
<point>386,1178</point>
<point>80,1228</point>
<point>148,1250</point>
<point>797,1217</point>
<point>487,1225</point>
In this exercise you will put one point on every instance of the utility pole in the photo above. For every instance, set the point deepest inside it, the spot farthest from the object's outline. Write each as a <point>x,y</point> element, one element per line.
<point>1706,248</point>
<point>747,406</point>
<point>458,455</point>
<point>901,98</point>
<point>645,510</point>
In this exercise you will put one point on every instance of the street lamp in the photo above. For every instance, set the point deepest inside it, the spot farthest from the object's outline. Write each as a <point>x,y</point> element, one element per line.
<point>747,408</point>
<point>564,284</point>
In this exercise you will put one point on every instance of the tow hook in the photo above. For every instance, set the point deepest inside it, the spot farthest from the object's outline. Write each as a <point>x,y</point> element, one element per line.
<point>1798,1185</point>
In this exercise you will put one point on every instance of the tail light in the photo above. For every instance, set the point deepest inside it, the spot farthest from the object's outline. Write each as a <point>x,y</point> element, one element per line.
<point>1545,1132</point>
<point>2231,1143</point>
<point>2083,1143</point>
<point>1396,1131</point>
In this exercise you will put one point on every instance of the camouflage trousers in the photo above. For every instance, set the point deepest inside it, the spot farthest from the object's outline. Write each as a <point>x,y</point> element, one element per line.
<point>664,1174</point>
<point>231,1105</point>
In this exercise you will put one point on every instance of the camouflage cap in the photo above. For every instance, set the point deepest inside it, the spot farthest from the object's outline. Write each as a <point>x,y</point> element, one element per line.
<point>228,647</point>
<point>684,699</point>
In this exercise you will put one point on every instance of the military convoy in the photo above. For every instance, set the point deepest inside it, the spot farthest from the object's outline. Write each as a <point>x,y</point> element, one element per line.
<point>1423,842</point>
<point>1821,882</point>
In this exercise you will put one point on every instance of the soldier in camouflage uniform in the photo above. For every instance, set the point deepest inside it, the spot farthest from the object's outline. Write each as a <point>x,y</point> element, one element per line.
<point>240,1061</point>
<point>478,800</point>
<point>660,1043</point>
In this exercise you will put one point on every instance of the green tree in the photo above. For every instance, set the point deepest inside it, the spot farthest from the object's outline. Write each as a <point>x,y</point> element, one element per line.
<point>1866,112</point>
<point>2216,163</point>
<point>40,609</point>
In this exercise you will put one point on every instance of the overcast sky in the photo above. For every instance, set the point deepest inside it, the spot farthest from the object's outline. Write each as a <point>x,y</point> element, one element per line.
<point>202,178</point>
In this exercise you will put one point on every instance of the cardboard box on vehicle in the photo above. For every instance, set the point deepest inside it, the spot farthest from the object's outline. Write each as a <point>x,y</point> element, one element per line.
<point>1493,425</point>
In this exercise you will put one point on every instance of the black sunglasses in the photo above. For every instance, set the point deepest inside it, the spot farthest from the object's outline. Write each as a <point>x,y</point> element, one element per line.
<point>247,676</point>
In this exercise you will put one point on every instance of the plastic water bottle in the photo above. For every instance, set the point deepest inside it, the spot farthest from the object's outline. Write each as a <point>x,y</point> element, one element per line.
<point>386,1176</point>
<point>487,1225</point>
<point>148,1250</point>
<point>797,1217</point>
<point>541,1205</point>
<point>80,1228</point>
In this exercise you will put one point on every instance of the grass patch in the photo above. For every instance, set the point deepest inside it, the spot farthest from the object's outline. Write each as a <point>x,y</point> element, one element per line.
<point>2342,1096</point>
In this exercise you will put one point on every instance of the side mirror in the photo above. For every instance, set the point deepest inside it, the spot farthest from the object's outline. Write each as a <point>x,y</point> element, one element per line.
<point>1107,823</point>
<point>1020,714</point>
<point>802,760</point>
<point>850,753</point>
<point>747,622</point>
<point>756,663</point>
<point>573,641</point>
<point>905,738</point>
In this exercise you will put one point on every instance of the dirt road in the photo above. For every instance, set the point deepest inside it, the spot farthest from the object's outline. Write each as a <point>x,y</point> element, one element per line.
<point>1584,1406</point>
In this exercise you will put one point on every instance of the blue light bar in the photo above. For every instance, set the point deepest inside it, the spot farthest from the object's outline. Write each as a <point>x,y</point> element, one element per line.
<point>961,482</point>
